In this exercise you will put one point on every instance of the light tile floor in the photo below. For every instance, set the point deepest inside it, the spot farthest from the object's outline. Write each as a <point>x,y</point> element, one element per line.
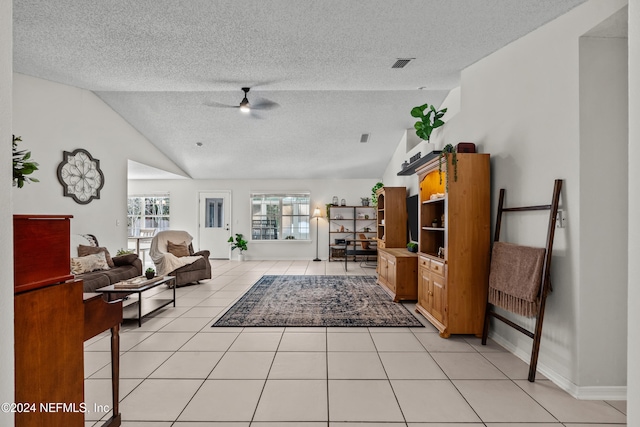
<point>177,371</point>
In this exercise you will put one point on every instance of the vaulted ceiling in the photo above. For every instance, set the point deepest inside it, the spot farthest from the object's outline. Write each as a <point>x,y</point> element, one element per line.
<point>167,66</point>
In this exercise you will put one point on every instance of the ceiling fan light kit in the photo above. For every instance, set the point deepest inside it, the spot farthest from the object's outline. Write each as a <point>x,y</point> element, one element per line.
<point>246,107</point>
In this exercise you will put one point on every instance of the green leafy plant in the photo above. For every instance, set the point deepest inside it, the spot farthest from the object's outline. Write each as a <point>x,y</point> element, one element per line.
<point>21,166</point>
<point>412,247</point>
<point>328,206</point>
<point>150,270</point>
<point>429,121</point>
<point>374,196</point>
<point>121,251</point>
<point>239,243</point>
<point>150,273</point>
<point>448,149</point>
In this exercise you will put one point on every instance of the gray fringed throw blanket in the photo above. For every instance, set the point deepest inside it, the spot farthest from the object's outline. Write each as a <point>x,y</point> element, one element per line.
<point>515,277</point>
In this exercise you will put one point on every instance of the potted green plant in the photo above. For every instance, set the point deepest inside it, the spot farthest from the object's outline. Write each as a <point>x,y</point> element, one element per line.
<point>150,273</point>
<point>240,244</point>
<point>412,247</point>
<point>374,196</point>
<point>429,121</point>
<point>21,166</point>
<point>448,149</point>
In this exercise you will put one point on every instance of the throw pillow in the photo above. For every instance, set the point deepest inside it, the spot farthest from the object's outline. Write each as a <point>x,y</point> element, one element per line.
<point>127,259</point>
<point>88,263</point>
<point>84,250</point>
<point>179,249</point>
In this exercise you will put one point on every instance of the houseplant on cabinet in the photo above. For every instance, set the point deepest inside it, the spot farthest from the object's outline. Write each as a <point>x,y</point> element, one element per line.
<point>240,244</point>
<point>448,149</point>
<point>374,190</point>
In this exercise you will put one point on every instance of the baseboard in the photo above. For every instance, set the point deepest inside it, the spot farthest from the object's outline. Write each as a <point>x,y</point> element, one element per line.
<point>582,393</point>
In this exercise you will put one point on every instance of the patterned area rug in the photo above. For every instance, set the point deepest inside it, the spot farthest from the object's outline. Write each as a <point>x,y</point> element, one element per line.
<point>317,301</point>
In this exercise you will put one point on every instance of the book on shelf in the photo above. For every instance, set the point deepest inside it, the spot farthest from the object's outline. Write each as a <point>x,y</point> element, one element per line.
<point>136,282</point>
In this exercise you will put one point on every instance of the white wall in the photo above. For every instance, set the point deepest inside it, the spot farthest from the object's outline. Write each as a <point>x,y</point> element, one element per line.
<point>6,222</point>
<point>604,135</point>
<point>184,209</point>
<point>633,341</point>
<point>52,118</point>
<point>390,176</point>
<point>522,105</point>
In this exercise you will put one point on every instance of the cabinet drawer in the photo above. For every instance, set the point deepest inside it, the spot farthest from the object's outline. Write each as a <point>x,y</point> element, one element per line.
<point>437,267</point>
<point>424,262</point>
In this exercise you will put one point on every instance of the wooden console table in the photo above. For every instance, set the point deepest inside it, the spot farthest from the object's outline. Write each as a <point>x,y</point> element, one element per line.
<point>99,316</point>
<point>398,273</point>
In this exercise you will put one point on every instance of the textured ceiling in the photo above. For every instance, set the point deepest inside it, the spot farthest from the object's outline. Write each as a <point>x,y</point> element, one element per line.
<point>161,64</point>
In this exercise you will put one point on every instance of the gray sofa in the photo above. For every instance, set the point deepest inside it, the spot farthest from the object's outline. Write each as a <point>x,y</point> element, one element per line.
<point>126,267</point>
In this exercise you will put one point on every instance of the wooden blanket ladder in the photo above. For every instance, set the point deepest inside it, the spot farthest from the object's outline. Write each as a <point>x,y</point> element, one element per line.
<point>545,285</point>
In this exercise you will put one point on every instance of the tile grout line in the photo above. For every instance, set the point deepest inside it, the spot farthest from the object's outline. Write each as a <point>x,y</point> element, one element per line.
<point>395,395</point>
<point>264,385</point>
<point>326,364</point>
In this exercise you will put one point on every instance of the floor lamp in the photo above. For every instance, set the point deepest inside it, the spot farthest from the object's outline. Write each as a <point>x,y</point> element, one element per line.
<point>316,214</point>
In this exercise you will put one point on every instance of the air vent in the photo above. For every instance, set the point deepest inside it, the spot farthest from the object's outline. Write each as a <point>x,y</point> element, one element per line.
<point>402,62</point>
<point>364,137</point>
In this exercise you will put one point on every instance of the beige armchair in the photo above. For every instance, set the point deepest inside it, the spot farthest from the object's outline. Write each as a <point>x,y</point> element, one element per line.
<point>172,254</point>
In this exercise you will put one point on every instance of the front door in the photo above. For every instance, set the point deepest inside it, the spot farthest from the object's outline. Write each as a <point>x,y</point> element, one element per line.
<point>215,218</point>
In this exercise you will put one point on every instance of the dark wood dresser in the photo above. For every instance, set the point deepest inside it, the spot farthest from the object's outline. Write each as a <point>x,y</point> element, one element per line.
<point>51,324</point>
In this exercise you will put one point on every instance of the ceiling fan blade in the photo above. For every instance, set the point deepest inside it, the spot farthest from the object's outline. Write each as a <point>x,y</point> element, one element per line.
<point>220,105</point>
<point>255,115</point>
<point>264,104</point>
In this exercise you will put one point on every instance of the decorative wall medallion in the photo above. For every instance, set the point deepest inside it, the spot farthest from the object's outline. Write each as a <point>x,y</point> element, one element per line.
<point>80,176</point>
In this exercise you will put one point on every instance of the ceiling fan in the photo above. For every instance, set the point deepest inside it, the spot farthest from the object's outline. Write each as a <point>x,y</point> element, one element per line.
<point>245,106</point>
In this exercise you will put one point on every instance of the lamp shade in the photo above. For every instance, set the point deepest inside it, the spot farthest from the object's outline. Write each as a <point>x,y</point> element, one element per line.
<point>317,213</point>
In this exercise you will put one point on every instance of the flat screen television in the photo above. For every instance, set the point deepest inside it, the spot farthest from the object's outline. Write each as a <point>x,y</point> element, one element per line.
<point>412,218</point>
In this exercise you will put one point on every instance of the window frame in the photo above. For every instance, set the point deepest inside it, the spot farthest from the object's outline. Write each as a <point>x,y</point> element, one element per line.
<point>142,217</point>
<point>279,231</point>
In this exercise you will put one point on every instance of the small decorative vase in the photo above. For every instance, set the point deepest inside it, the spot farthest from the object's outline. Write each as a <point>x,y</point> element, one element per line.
<point>343,202</point>
<point>334,201</point>
<point>150,274</point>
